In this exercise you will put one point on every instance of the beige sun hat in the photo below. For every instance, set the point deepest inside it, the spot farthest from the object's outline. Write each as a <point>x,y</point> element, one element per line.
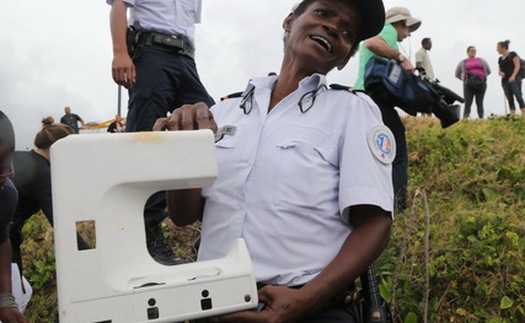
<point>396,14</point>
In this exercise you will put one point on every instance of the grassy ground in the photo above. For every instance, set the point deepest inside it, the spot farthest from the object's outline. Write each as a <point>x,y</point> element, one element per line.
<point>457,255</point>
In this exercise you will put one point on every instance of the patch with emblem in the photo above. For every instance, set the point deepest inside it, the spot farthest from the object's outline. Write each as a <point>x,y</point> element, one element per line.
<point>382,144</point>
<point>226,130</point>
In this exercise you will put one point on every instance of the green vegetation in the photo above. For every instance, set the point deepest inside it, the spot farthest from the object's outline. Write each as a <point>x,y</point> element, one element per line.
<point>473,178</point>
<point>467,181</point>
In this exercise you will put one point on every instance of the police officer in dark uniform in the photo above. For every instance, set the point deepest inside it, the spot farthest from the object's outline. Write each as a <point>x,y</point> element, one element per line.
<point>153,57</point>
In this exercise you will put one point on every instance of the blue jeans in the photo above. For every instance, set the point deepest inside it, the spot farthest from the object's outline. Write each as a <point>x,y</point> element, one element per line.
<point>513,90</point>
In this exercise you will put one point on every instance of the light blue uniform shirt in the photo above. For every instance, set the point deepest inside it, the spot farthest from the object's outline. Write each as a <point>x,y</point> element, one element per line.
<point>287,177</point>
<point>172,17</point>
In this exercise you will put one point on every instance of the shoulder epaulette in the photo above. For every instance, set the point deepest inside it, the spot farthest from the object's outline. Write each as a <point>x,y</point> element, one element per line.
<point>231,96</point>
<point>346,88</point>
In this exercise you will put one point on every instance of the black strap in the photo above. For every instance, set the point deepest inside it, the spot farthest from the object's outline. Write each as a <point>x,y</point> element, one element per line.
<point>168,43</point>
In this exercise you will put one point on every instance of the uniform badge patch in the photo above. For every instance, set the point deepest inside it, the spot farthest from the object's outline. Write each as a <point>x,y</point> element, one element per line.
<point>226,130</point>
<point>382,144</point>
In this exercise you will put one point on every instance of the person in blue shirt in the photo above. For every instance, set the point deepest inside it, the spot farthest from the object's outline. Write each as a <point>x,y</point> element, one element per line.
<point>154,58</point>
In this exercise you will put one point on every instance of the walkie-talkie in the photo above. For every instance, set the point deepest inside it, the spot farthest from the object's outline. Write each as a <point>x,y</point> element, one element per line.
<point>375,308</point>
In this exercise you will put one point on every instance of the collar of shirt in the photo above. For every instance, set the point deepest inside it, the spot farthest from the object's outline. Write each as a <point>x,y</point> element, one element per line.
<point>264,86</point>
<point>307,84</point>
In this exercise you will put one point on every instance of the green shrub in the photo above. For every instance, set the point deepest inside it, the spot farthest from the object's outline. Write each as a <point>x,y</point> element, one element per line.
<point>474,176</point>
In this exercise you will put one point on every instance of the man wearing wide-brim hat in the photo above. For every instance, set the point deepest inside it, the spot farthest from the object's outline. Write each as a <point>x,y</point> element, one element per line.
<point>399,24</point>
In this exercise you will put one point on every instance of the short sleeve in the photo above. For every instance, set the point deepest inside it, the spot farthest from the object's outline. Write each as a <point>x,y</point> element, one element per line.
<point>198,11</point>
<point>366,174</point>
<point>128,3</point>
<point>389,34</point>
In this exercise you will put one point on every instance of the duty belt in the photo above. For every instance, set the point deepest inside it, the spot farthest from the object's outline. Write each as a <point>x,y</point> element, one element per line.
<point>169,43</point>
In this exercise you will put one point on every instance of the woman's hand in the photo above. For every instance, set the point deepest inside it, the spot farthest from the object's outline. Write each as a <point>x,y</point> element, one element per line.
<point>282,305</point>
<point>12,315</point>
<point>188,117</point>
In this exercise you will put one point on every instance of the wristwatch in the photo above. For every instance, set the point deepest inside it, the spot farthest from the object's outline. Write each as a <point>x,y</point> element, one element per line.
<point>401,58</point>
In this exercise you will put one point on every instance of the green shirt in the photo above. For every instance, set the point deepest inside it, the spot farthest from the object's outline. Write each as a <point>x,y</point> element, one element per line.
<point>389,34</point>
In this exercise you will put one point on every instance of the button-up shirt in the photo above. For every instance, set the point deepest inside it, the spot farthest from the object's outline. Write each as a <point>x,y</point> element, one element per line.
<point>286,177</point>
<point>172,17</point>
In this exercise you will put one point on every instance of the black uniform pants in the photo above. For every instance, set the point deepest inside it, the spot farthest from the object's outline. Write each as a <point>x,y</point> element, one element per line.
<point>166,80</point>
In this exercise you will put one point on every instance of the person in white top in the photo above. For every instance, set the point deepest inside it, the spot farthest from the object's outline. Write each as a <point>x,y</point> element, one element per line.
<point>423,63</point>
<point>423,59</point>
<point>153,57</point>
<point>304,170</point>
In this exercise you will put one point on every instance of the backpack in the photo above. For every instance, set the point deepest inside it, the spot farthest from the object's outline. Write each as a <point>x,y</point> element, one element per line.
<point>522,68</point>
<point>388,82</point>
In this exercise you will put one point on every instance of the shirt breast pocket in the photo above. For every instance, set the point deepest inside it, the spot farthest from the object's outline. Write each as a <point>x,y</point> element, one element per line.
<point>309,170</point>
<point>226,142</point>
<point>187,8</point>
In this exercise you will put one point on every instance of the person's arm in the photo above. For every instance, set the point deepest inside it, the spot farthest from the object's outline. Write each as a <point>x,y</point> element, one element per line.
<point>380,47</point>
<point>361,248</point>
<point>501,73</point>
<point>486,67</point>
<point>186,206</point>
<point>9,312</point>
<point>517,66</point>
<point>82,123</point>
<point>368,239</point>
<point>122,67</point>
<point>460,70</point>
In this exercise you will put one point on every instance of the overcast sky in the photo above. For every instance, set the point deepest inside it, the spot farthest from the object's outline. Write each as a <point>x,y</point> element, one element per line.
<point>58,52</point>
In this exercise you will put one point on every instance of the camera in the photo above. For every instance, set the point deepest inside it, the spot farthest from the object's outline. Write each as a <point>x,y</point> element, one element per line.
<point>445,110</point>
<point>388,82</point>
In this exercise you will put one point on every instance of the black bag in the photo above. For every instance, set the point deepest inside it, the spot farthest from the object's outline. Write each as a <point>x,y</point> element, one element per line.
<point>388,82</point>
<point>522,68</point>
<point>475,82</point>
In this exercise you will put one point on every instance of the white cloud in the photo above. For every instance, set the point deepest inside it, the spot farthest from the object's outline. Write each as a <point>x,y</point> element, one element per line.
<point>58,52</point>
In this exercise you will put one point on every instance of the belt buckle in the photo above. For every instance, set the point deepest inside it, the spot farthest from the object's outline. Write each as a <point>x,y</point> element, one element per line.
<point>169,39</point>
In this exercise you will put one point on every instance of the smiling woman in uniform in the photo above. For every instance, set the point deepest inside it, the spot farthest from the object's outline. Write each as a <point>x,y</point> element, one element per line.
<point>304,171</point>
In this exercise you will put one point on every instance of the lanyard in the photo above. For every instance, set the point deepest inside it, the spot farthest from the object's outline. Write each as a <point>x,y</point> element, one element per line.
<point>306,102</point>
